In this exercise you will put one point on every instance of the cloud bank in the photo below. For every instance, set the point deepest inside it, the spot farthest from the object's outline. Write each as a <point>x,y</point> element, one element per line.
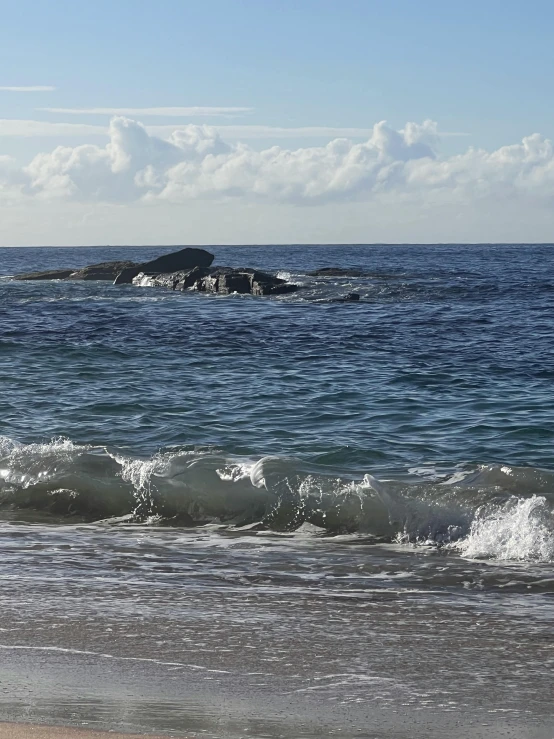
<point>194,163</point>
<point>25,128</point>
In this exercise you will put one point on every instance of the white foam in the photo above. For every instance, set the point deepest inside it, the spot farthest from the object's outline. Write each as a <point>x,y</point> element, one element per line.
<point>137,471</point>
<point>27,464</point>
<point>234,472</point>
<point>491,512</point>
<point>143,280</point>
<point>290,277</point>
<point>522,530</point>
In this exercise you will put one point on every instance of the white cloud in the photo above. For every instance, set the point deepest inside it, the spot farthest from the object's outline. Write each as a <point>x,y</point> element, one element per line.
<point>24,128</point>
<point>179,112</point>
<point>195,162</point>
<point>30,128</point>
<point>29,88</point>
<point>251,131</point>
<point>391,167</point>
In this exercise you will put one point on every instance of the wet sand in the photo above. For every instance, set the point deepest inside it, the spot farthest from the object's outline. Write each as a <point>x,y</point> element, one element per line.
<point>30,731</point>
<point>367,668</point>
<point>105,631</point>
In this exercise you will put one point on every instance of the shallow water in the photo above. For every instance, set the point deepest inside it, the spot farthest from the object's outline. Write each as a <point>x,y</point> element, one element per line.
<point>287,486</point>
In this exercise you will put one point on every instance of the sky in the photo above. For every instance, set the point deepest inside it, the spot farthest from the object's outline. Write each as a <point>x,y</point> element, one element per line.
<point>276,121</point>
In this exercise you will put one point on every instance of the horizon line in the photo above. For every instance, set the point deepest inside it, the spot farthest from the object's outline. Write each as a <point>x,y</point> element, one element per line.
<point>265,244</point>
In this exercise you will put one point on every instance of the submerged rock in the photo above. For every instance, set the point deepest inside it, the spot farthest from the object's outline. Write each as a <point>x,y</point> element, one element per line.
<point>101,271</point>
<point>265,288</point>
<point>49,274</point>
<point>184,259</point>
<point>348,298</point>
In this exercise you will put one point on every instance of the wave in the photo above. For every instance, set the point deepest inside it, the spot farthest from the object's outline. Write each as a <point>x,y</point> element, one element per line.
<point>496,512</point>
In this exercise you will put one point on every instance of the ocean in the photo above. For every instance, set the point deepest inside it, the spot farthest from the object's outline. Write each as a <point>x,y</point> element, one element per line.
<point>236,516</point>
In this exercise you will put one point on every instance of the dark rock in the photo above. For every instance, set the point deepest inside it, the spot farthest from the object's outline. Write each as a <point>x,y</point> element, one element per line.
<point>126,276</point>
<point>336,272</point>
<point>348,298</point>
<point>177,261</point>
<point>188,268</point>
<point>180,260</point>
<point>208,285</point>
<point>258,276</point>
<point>173,280</point>
<point>102,271</point>
<point>227,280</point>
<point>50,274</point>
<point>235,283</point>
<point>269,288</point>
<point>142,280</point>
<point>190,277</point>
<point>203,278</point>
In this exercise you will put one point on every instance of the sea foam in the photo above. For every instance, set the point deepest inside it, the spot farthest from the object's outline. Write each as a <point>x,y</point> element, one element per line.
<point>494,512</point>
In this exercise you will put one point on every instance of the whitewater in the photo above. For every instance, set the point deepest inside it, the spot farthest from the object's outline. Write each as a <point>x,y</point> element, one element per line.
<point>284,516</point>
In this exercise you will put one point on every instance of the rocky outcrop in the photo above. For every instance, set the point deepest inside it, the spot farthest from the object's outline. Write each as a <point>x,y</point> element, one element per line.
<point>177,261</point>
<point>49,274</point>
<point>221,280</point>
<point>186,269</point>
<point>227,280</point>
<point>181,280</point>
<point>336,272</point>
<point>101,271</point>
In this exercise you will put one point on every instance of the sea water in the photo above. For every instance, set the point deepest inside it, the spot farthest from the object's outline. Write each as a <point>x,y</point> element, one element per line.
<point>344,509</point>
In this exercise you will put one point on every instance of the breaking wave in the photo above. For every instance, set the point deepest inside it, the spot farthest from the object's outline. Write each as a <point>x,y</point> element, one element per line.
<point>490,512</point>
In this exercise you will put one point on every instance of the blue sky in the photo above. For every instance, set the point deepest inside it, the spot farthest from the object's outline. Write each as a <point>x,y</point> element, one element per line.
<point>296,75</point>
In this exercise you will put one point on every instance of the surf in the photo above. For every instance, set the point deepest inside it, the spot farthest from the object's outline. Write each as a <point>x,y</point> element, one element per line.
<point>488,511</point>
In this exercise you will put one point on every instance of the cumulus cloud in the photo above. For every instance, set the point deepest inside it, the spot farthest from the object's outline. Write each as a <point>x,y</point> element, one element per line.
<point>25,128</point>
<point>194,162</point>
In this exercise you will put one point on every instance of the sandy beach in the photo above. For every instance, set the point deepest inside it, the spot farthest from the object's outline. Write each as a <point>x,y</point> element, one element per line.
<point>23,731</point>
<point>300,666</point>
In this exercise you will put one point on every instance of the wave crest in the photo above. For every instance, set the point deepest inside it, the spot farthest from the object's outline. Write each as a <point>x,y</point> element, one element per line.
<point>484,512</point>
<point>522,529</point>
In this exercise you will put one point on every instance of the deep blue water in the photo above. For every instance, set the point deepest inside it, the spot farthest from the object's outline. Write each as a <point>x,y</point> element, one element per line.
<point>195,409</point>
<point>448,359</point>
